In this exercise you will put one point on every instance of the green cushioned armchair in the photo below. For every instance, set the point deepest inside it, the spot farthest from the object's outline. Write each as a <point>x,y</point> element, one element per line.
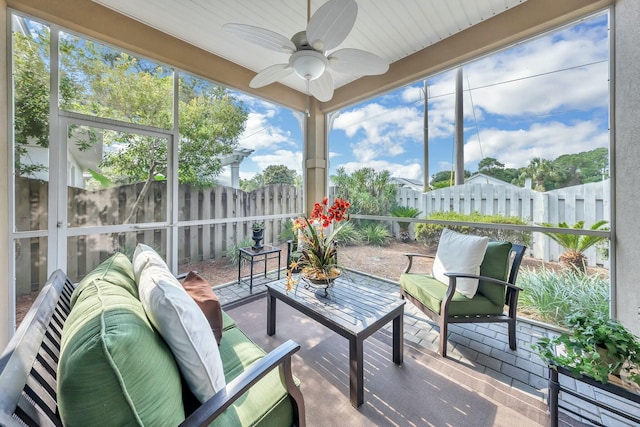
<point>496,289</point>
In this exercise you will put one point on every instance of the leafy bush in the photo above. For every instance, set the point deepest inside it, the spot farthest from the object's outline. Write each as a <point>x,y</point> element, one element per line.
<point>574,245</point>
<point>349,235</point>
<point>404,212</point>
<point>287,232</point>
<point>232,252</point>
<point>429,234</point>
<point>553,295</point>
<point>375,234</point>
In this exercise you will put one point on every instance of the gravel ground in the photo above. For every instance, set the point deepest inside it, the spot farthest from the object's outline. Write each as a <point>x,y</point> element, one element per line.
<point>387,262</point>
<point>383,261</point>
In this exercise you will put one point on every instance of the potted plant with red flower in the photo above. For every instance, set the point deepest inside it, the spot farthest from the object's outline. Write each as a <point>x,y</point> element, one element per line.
<point>316,235</point>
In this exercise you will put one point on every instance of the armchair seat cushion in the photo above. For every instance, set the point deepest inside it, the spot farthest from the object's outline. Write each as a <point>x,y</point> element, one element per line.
<point>430,292</point>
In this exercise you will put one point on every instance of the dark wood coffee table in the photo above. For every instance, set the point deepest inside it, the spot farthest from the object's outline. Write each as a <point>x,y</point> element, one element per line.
<point>353,310</point>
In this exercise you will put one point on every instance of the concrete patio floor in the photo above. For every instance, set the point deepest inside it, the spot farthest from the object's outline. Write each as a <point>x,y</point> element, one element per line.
<point>478,348</point>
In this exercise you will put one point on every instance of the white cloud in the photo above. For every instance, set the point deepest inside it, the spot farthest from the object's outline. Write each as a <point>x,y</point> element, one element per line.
<point>381,131</point>
<point>546,140</point>
<point>562,71</point>
<point>291,159</point>
<point>556,88</point>
<point>260,133</point>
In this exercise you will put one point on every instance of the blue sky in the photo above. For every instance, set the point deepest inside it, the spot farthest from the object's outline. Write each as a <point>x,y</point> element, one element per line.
<point>543,98</point>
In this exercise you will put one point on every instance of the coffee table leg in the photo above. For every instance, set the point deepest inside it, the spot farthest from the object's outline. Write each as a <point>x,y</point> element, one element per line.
<point>398,339</point>
<point>356,372</point>
<point>271,314</point>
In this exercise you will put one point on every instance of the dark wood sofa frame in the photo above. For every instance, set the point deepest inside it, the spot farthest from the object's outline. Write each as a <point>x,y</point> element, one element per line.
<point>29,364</point>
<point>443,319</point>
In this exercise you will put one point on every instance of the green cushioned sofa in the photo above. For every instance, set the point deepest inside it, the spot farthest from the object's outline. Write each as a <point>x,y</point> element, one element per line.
<point>496,289</point>
<point>111,356</point>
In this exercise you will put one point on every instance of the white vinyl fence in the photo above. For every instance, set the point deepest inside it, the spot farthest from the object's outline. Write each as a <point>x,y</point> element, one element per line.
<point>588,203</point>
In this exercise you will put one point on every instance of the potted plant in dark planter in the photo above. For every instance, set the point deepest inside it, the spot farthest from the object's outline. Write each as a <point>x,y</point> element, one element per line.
<point>595,346</point>
<point>258,235</point>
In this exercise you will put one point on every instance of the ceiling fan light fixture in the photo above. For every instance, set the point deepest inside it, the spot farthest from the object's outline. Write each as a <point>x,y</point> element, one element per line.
<point>308,64</point>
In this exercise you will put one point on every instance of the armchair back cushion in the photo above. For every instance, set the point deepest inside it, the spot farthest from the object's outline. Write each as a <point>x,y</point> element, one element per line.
<point>495,265</point>
<point>459,253</point>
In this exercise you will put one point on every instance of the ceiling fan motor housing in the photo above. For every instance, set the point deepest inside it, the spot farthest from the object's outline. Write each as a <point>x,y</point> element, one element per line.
<point>308,64</point>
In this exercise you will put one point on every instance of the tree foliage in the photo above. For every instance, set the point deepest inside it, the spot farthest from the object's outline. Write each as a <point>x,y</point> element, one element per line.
<point>279,174</point>
<point>31,92</point>
<point>99,81</point>
<point>368,191</point>
<point>444,179</point>
<point>273,174</point>
<point>565,171</point>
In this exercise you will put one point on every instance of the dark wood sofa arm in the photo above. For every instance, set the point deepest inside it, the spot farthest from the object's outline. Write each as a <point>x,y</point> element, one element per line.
<point>279,357</point>
<point>410,257</point>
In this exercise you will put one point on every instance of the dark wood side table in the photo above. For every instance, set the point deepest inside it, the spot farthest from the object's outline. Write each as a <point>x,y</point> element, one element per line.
<point>351,310</point>
<point>252,256</point>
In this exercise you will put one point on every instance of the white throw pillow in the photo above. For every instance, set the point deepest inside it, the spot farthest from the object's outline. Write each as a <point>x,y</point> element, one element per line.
<point>459,253</point>
<point>181,323</point>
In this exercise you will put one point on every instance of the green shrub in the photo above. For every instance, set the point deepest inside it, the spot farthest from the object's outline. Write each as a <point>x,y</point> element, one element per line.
<point>553,295</point>
<point>349,235</point>
<point>287,232</point>
<point>375,234</point>
<point>232,252</point>
<point>404,212</point>
<point>429,234</point>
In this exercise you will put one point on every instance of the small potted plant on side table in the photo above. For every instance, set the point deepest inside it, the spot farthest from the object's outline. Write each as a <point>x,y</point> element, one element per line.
<point>595,346</point>
<point>258,235</point>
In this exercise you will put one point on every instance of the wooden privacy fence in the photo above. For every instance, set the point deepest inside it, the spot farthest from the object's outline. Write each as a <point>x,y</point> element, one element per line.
<point>210,221</point>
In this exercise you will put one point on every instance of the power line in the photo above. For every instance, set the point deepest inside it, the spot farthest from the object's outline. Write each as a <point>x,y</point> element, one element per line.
<point>490,85</point>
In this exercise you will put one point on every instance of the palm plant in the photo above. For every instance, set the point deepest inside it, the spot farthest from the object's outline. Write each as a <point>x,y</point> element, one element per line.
<point>575,244</point>
<point>404,212</point>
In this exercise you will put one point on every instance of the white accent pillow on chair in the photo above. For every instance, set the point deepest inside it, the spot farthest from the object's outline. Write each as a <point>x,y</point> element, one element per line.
<point>459,253</point>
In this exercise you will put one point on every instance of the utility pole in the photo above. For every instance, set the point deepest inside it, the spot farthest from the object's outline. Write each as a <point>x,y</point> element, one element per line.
<point>459,137</point>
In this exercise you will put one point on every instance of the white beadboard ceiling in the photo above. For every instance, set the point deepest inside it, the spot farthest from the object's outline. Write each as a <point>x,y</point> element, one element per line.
<point>390,29</point>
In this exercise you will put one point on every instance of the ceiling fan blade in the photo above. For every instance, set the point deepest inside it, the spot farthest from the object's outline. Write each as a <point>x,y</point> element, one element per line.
<point>261,37</point>
<point>357,62</point>
<point>322,87</point>
<point>270,74</point>
<point>331,24</point>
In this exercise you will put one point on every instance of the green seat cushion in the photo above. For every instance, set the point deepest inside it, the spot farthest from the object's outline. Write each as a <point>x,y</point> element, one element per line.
<point>430,292</point>
<point>116,270</point>
<point>495,265</point>
<point>227,322</point>
<point>114,368</point>
<point>267,402</point>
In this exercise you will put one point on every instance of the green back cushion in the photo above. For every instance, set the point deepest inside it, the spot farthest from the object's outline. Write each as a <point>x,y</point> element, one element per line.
<point>495,265</point>
<point>116,270</point>
<point>114,368</point>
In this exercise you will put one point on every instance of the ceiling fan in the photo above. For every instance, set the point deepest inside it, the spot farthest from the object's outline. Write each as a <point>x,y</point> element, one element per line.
<point>326,29</point>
